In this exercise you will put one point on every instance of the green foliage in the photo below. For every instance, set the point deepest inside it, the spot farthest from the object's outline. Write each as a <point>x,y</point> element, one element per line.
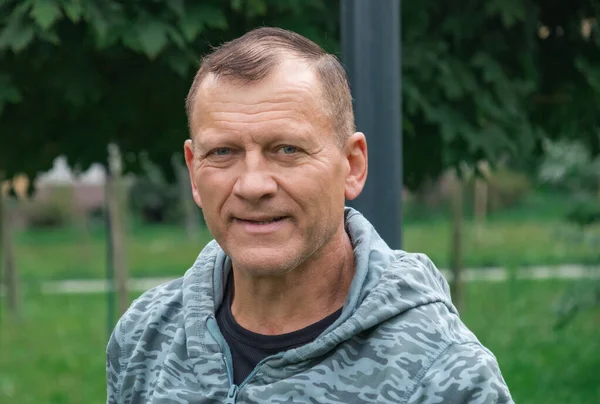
<point>507,188</point>
<point>45,214</point>
<point>517,237</point>
<point>466,82</point>
<point>580,297</point>
<point>153,199</point>
<point>78,75</point>
<point>479,82</point>
<point>584,213</point>
<point>570,164</point>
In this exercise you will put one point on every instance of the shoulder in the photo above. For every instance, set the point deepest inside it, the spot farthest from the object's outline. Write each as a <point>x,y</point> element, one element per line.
<point>160,303</point>
<point>465,372</point>
<point>158,309</point>
<point>419,268</point>
<point>157,305</point>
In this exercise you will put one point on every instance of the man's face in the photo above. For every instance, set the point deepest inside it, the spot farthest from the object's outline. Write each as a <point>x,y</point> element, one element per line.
<point>267,171</point>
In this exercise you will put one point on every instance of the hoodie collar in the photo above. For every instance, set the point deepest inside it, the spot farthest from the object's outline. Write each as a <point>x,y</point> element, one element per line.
<point>386,283</point>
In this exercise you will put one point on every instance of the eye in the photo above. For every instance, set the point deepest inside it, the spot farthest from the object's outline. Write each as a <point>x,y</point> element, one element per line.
<point>289,149</point>
<point>221,151</point>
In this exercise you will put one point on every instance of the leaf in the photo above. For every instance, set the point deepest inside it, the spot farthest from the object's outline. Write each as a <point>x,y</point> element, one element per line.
<point>190,25</point>
<point>511,11</point>
<point>49,36</point>
<point>180,62</point>
<point>176,37</point>
<point>73,10</point>
<point>15,34</point>
<point>95,17</point>
<point>45,12</point>
<point>152,37</point>
<point>590,72</point>
<point>20,39</point>
<point>198,16</point>
<point>177,6</point>
<point>8,92</point>
<point>236,5</point>
<point>256,8</point>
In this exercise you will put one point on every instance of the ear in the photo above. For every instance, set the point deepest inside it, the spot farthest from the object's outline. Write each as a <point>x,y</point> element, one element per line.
<point>188,150</point>
<point>356,153</point>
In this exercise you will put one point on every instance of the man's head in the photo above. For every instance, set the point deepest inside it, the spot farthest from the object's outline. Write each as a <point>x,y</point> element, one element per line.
<point>252,57</point>
<point>273,154</point>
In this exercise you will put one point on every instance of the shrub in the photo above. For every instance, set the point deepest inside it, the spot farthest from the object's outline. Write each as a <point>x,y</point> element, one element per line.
<point>153,199</point>
<point>585,212</point>
<point>507,188</point>
<point>49,213</point>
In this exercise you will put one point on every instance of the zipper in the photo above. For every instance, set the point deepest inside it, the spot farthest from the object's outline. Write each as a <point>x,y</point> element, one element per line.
<point>232,394</point>
<point>213,329</point>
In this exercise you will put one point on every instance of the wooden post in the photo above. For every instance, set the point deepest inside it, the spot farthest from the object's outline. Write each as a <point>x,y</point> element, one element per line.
<point>81,220</point>
<point>116,230</point>
<point>11,282</point>
<point>481,200</point>
<point>190,210</point>
<point>456,248</point>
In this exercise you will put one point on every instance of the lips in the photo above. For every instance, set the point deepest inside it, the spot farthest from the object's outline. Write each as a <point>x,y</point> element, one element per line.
<point>262,220</point>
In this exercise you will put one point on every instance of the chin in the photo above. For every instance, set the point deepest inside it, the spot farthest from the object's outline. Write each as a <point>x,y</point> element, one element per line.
<point>264,262</point>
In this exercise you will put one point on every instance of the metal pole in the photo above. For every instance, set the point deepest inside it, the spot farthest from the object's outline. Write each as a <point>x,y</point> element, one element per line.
<point>371,50</point>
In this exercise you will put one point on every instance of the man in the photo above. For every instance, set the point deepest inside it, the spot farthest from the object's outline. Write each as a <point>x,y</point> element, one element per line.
<point>297,300</point>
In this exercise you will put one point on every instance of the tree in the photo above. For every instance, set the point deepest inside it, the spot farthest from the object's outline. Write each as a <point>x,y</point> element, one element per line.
<point>78,75</point>
<point>570,165</point>
<point>481,80</point>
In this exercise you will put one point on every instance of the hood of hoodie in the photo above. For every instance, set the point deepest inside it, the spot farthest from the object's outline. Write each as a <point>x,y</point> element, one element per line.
<point>386,283</point>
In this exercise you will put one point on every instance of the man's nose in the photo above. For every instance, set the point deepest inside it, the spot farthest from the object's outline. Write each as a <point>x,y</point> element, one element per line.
<point>256,181</point>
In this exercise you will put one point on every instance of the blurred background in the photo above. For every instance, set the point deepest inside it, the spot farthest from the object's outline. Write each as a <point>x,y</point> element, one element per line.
<point>501,137</point>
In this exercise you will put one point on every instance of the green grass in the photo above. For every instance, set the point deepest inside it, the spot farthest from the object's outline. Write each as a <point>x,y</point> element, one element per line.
<point>532,233</point>
<point>55,354</point>
<point>539,364</point>
<point>164,251</point>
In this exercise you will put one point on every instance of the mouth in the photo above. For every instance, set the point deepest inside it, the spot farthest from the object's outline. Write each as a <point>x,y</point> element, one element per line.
<point>261,221</point>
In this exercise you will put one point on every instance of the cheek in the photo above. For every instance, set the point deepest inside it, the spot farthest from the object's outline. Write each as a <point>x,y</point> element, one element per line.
<point>214,186</point>
<point>319,187</point>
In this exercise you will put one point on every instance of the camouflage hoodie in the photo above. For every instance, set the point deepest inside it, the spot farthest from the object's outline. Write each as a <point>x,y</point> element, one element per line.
<point>399,339</point>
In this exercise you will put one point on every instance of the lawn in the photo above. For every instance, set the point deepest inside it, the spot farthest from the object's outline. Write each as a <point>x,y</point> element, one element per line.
<point>55,354</point>
<point>164,250</point>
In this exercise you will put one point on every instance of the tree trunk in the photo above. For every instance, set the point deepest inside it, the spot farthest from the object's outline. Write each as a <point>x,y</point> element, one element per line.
<point>481,200</point>
<point>117,225</point>
<point>81,221</point>
<point>11,283</point>
<point>481,196</point>
<point>190,210</point>
<point>456,250</point>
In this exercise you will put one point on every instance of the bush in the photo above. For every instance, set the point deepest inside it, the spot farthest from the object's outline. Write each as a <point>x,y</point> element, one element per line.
<point>50,213</point>
<point>153,199</point>
<point>154,203</point>
<point>584,212</point>
<point>506,189</point>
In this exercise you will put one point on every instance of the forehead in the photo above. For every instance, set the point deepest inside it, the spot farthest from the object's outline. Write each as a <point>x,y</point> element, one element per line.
<point>292,92</point>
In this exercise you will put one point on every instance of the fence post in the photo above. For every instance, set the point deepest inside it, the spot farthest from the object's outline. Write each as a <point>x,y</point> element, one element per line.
<point>116,231</point>
<point>11,278</point>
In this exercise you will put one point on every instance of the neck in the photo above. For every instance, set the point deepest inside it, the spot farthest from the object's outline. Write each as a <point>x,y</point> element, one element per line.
<point>301,297</point>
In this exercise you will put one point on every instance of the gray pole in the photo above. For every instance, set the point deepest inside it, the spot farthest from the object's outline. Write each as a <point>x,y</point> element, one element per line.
<point>371,53</point>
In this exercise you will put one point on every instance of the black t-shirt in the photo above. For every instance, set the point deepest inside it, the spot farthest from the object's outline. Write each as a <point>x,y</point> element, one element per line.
<point>248,348</point>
